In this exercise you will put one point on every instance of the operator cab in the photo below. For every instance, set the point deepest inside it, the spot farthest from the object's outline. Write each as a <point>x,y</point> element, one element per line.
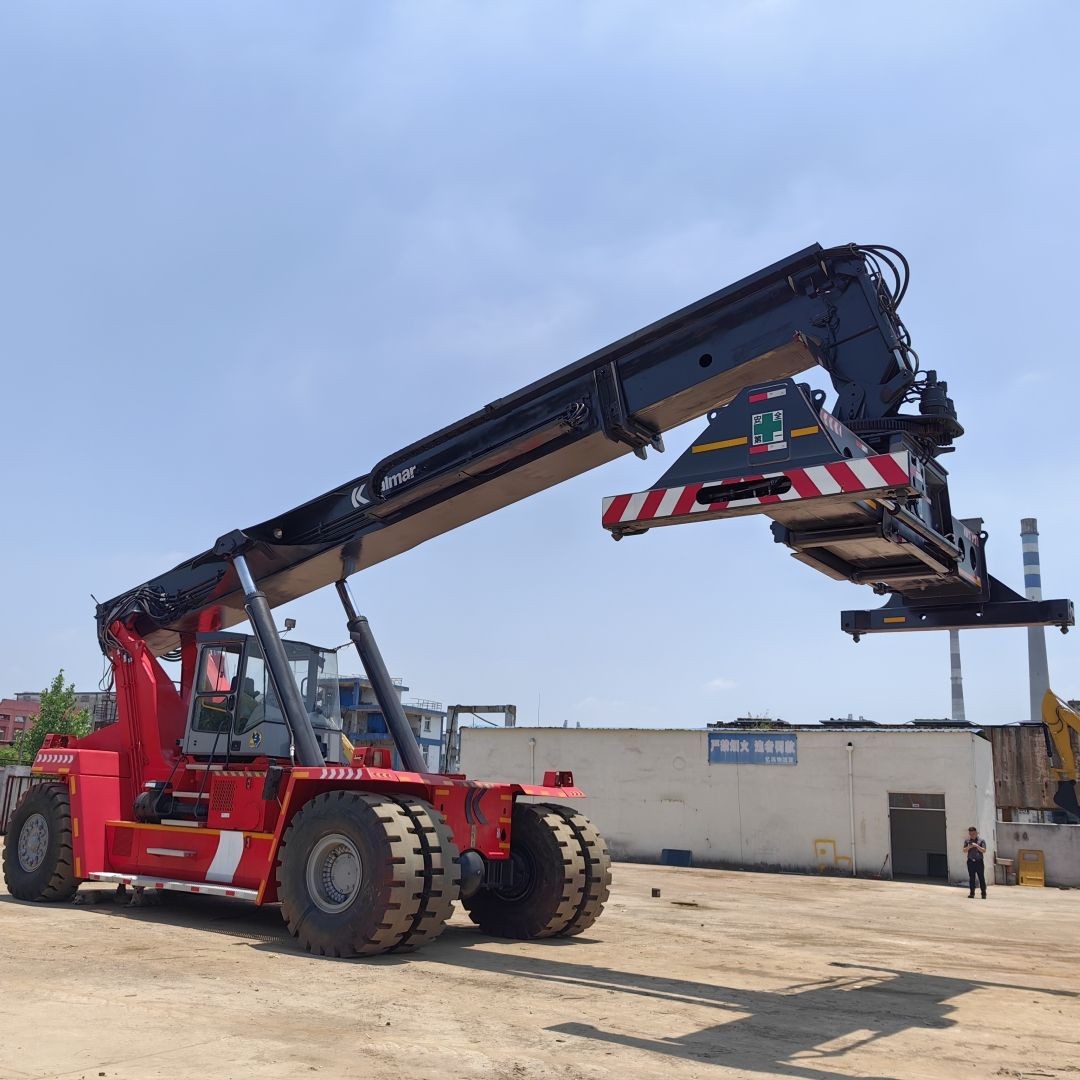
<point>234,712</point>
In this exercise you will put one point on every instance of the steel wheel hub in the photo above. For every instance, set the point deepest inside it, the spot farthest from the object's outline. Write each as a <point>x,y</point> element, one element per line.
<point>334,873</point>
<point>523,874</point>
<point>33,842</point>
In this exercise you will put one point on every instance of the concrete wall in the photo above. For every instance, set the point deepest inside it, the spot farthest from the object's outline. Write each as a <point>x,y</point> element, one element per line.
<point>650,790</point>
<point>1060,845</point>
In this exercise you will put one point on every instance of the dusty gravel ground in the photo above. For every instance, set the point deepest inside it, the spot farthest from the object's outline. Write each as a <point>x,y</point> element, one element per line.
<point>724,975</point>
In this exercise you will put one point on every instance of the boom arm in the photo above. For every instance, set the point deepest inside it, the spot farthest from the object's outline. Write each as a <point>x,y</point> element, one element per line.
<point>827,307</point>
<point>1058,718</point>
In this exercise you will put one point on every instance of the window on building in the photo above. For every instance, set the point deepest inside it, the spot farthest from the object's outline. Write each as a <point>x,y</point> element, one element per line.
<point>427,725</point>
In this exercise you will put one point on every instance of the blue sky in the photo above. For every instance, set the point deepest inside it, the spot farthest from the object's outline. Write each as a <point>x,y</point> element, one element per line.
<point>248,249</point>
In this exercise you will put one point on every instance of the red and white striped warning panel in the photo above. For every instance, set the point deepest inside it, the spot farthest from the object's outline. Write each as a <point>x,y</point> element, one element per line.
<point>49,757</point>
<point>851,476</point>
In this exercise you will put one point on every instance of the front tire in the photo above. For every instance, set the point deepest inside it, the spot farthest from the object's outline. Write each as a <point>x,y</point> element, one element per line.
<point>38,860</point>
<point>442,874</point>
<point>350,874</point>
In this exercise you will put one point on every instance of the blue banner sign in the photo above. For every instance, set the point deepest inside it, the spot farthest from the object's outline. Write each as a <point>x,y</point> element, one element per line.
<point>746,748</point>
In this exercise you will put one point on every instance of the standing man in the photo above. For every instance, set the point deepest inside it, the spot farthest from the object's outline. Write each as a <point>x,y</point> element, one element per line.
<point>975,850</point>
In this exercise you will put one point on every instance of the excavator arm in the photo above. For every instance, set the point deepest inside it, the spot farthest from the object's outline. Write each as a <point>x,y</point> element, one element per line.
<point>1059,718</point>
<point>870,500</point>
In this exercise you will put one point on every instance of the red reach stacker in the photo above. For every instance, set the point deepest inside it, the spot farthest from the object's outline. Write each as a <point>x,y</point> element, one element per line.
<point>241,783</point>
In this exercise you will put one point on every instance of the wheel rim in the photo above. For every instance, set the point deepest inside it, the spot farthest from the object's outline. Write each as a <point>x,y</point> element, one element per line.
<point>334,873</point>
<point>523,877</point>
<point>33,842</point>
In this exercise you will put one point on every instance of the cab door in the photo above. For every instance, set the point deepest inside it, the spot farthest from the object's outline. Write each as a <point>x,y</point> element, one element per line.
<point>213,702</point>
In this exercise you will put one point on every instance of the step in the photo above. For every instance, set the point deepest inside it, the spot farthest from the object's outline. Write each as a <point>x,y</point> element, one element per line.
<point>140,881</point>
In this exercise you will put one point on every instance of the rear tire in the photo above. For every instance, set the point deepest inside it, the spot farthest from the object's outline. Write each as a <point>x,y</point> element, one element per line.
<point>350,874</point>
<point>597,868</point>
<point>442,876</point>
<point>38,860</point>
<point>549,883</point>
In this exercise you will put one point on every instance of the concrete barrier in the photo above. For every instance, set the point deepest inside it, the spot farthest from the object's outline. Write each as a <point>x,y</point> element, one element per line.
<point>14,780</point>
<point>1060,845</point>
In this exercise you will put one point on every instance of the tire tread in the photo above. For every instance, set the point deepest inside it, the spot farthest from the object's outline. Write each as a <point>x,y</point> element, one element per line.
<point>56,807</point>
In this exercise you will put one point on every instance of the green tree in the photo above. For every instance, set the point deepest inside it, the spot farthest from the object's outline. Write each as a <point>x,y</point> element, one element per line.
<point>8,756</point>
<point>58,716</point>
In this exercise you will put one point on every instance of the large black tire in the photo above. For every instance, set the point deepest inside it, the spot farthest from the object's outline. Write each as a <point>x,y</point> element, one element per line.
<point>350,874</point>
<point>442,874</point>
<point>38,862</point>
<point>549,879</point>
<point>597,868</point>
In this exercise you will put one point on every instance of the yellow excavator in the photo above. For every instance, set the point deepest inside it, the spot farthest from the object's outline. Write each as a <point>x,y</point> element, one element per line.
<point>1058,717</point>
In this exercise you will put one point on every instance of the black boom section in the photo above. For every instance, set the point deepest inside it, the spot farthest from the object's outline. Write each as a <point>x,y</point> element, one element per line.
<point>828,307</point>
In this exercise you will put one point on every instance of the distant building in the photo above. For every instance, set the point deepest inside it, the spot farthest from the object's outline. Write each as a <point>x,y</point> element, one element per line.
<point>15,715</point>
<point>365,724</point>
<point>842,797</point>
<point>1024,786</point>
<point>100,704</point>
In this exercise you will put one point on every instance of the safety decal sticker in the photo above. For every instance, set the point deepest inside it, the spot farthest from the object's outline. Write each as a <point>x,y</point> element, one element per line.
<point>767,431</point>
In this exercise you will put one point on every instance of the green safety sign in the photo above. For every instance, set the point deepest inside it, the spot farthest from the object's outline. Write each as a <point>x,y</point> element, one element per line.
<point>768,427</point>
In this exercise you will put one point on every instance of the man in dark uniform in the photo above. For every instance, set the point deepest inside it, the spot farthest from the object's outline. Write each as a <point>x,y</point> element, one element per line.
<point>975,850</point>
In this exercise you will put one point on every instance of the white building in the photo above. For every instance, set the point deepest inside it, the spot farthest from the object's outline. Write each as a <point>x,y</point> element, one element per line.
<point>902,809</point>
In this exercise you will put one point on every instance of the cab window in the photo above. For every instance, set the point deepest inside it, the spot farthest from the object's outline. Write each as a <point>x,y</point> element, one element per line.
<point>216,687</point>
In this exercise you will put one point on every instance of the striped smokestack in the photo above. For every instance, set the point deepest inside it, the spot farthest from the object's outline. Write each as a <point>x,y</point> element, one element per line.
<point>957,677</point>
<point>1038,671</point>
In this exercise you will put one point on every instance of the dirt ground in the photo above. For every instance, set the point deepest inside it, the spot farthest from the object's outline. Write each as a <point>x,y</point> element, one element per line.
<point>724,975</point>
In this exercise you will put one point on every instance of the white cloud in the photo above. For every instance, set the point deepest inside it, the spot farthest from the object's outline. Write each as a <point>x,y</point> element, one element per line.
<point>721,684</point>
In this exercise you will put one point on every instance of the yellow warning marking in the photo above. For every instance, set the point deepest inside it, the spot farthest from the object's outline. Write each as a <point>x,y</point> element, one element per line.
<point>78,867</point>
<point>302,775</point>
<point>442,791</point>
<point>872,504</point>
<point>63,770</point>
<point>812,430</point>
<point>75,827</point>
<point>704,448</point>
<point>895,618</point>
<point>185,830</point>
<point>504,847</point>
<point>71,784</point>
<point>504,821</point>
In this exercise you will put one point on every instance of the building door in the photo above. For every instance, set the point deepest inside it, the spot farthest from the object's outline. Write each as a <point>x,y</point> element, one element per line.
<point>918,835</point>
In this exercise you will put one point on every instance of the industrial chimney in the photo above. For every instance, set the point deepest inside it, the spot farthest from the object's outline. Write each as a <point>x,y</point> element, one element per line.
<point>956,676</point>
<point>1038,671</point>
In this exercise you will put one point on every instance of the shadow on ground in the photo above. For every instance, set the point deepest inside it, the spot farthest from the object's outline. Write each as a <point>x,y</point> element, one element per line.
<point>797,1030</point>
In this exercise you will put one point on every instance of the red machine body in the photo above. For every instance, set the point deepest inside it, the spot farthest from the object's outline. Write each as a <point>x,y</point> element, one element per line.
<point>233,849</point>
